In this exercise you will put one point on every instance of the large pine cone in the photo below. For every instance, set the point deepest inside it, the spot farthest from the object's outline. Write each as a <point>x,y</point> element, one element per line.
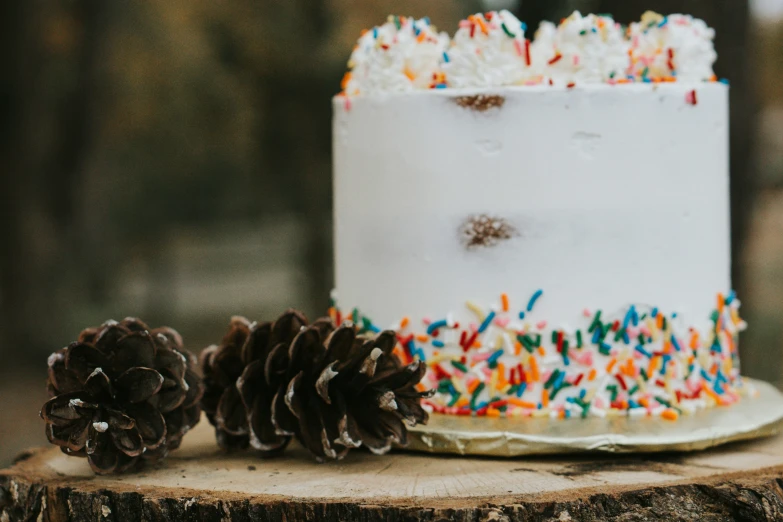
<point>121,393</point>
<point>342,391</point>
<point>238,397</point>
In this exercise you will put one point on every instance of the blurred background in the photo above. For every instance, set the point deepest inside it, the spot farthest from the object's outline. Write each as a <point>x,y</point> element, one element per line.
<point>170,159</point>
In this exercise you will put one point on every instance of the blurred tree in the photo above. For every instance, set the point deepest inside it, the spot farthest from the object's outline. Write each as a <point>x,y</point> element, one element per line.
<point>533,13</point>
<point>770,44</point>
<point>48,91</point>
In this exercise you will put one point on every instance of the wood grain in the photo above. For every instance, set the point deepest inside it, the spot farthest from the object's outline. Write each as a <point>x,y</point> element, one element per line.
<point>199,482</point>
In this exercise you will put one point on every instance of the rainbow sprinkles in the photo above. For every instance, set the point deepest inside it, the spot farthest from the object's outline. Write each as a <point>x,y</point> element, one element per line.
<point>492,50</point>
<point>638,363</point>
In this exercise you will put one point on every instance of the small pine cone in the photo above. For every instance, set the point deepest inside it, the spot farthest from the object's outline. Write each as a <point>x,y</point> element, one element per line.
<point>238,397</point>
<point>121,393</point>
<point>348,391</point>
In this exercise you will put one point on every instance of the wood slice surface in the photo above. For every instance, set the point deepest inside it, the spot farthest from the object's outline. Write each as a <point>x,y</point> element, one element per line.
<point>199,482</point>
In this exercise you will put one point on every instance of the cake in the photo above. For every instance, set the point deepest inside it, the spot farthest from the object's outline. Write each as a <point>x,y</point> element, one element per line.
<point>545,221</point>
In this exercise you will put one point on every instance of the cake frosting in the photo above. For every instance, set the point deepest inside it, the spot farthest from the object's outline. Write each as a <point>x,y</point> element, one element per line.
<point>401,55</point>
<point>492,50</point>
<point>589,49</point>
<point>488,50</point>
<point>675,46</point>
<point>547,249</point>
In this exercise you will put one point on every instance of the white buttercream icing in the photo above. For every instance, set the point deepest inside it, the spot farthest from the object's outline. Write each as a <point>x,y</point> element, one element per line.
<point>676,45</point>
<point>542,48</point>
<point>588,48</point>
<point>401,55</point>
<point>488,51</point>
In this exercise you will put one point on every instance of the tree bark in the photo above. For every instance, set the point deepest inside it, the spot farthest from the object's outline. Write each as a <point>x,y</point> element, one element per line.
<point>751,500</point>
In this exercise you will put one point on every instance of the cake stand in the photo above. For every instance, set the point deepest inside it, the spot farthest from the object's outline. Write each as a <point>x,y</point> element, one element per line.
<point>753,417</point>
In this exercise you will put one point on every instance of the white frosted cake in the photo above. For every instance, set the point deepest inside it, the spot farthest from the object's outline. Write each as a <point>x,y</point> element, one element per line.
<point>545,223</point>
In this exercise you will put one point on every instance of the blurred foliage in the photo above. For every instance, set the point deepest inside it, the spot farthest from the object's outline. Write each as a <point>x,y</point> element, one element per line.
<point>135,123</point>
<point>767,51</point>
<point>172,159</point>
<point>132,125</point>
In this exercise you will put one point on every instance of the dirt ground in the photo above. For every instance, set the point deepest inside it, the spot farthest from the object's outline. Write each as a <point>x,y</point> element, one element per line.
<point>22,392</point>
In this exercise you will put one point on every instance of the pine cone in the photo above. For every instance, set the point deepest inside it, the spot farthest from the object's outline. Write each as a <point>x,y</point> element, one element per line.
<point>347,391</point>
<point>238,397</point>
<point>121,393</point>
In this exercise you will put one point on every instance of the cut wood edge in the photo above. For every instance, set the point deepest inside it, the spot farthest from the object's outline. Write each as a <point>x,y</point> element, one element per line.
<point>752,499</point>
<point>30,490</point>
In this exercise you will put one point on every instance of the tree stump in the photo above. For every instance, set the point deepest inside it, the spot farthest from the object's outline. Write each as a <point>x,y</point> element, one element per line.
<point>199,482</point>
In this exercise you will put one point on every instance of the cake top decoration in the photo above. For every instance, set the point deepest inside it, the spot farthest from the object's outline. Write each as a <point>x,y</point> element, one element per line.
<point>672,46</point>
<point>491,50</point>
<point>589,49</point>
<point>488,50</point>
<point>401,55</point>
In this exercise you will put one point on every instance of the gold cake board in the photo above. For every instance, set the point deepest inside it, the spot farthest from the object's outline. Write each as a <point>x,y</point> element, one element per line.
<point>751,418</point>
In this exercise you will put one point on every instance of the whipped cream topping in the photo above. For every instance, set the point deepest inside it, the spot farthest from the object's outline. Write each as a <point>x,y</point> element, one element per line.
<point>488,50</point>
<point>401,55</point>
<point>677,46</point>
<point>588,49</point>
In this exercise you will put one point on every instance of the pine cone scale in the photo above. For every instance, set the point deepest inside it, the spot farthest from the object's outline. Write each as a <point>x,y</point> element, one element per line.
<point>127,441</point>
<point>394,379</point>
<point>227,366</point>
<point>349,433</point>
<point>150,423</point>
<point>58,410</point>
<point>332,416</point>
<point>117,419</point>
<point>107,337</point>
<point>60,379</point>
<point>340,343</point>
<point>322,384</point>
<point>264,436</point>
<point>82,359</point>
<point>135,349</point>
<point>283,420</point>
<point>230,413</point>
<point>293,399</point>
<point>306,353</point>
<point>104,457</point>
<point>169,361</point>
<point>254,393</point>
<point>287,327</point>
<point>194,389</point>
<point>313,434</point>
<point>276,364</point>
<point>257,347</point>
<point>171,400</point>
<point>138,384</point>
<point>72,436</point>
<point>98,385</point>
<point>251,383</point>
<point>393,425</point>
